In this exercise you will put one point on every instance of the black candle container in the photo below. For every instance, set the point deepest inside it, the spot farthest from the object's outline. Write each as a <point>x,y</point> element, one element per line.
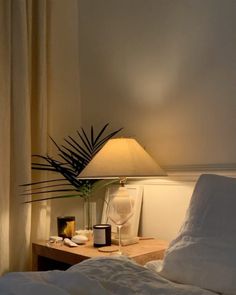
<point>66,226</point>
<point>102,235</point>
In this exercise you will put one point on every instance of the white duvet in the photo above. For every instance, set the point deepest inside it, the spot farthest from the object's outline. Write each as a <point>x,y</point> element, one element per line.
<point>97,276</point>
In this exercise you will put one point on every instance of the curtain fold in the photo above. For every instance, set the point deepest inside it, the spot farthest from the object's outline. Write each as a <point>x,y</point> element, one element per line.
<point>38,75</point>
<point>23,115</point>
<point>20,144</point>
<point>39,108</point>
<point>5,118</point>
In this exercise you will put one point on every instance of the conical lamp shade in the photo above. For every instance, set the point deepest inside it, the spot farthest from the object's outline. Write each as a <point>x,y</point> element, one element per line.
<point>121,157</point>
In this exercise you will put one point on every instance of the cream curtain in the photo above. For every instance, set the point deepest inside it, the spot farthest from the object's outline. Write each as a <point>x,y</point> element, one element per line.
<point>23,125</point>
<point>38,76</point>
<point>5,118</point>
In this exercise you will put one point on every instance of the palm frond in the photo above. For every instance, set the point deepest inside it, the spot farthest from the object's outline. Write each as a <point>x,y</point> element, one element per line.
<point>100,133</point>
<point>47,186</point>
<point>81,160</point>
<point>85,140</point>
<point>53,198</point>
<point>41,182</point>
<point>100,143</point>
<point>92,136</point>
<point>49,191</point>
<point>82,153</point>
<point>73,156</point>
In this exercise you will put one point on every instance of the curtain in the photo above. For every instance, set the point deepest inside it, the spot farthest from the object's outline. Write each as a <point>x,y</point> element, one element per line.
<point>4,133</point>
<point>23,121</point>
<point>38,85</point>
<point>39,81</point>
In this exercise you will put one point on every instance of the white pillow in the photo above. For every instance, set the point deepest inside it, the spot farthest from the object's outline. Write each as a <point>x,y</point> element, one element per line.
<point>204,253</point>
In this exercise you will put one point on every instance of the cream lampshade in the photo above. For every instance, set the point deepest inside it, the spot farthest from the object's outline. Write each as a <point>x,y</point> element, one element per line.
<point>122,158</point>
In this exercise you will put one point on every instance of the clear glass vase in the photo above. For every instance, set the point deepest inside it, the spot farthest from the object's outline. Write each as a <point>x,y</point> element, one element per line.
<point>90,215</point>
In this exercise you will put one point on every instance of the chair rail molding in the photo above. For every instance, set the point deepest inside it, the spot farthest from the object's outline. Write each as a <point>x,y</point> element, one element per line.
<point>177,174</point>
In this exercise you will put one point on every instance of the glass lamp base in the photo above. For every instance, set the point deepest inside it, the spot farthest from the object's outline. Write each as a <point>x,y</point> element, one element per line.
<point>126,241</point>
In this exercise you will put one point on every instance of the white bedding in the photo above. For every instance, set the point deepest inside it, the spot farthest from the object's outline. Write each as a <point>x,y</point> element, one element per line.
<point>100,276</point>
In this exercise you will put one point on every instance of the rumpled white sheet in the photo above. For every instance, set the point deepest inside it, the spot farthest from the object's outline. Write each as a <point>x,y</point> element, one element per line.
<point>100,276</point>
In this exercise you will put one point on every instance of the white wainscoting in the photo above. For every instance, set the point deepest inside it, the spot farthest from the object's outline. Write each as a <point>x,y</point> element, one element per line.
<point>165,201</point>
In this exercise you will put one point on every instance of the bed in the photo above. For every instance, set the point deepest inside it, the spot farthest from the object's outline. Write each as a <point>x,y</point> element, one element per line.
<point>100,276</point>
<point>200,260</point>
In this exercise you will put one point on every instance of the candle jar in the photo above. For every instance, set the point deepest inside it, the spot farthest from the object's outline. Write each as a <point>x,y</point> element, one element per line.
<point>102,235</point>
<point>66,226</point>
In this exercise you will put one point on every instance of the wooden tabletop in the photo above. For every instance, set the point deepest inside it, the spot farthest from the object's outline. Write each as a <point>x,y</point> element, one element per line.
<point>88,250</point>
<point>142,252</point>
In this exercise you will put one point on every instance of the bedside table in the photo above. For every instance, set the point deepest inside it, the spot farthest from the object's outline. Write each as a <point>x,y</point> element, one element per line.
<point>62,257</point>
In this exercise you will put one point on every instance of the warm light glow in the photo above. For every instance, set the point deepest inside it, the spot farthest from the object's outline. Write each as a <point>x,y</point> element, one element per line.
<point>121,157</point>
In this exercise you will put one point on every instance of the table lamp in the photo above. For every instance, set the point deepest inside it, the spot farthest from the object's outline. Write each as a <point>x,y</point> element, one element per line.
<point>122,158</point>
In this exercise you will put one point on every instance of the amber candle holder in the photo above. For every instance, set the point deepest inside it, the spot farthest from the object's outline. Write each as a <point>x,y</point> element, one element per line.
<point>66,226</point>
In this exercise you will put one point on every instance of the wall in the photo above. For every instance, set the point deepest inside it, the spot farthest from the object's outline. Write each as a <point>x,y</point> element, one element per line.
<point>165,70</point>
<point>63,90</point>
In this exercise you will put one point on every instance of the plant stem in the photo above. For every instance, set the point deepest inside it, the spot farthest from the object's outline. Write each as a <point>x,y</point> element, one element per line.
<point>88,224</point>
<point>88,213</point>
<point>119,237</point>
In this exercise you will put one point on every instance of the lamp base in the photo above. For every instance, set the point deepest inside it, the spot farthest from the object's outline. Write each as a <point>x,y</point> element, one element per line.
<point>125,242</point>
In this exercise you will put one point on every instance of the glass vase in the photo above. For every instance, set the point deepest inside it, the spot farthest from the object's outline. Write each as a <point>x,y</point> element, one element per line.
<point>90,216</point>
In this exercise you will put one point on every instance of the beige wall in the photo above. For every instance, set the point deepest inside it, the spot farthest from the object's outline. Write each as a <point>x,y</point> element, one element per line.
<point>63,69</point>
<point>164,70</point>
<point>63,89</point>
